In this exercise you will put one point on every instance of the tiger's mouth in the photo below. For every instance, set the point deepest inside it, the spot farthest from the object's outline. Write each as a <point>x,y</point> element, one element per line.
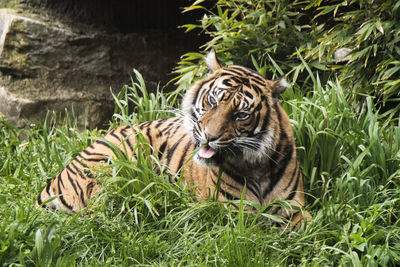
<point>207,155</point>
<point>206,152</point>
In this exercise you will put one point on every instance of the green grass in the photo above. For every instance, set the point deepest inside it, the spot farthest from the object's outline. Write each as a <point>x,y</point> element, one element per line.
<point>350,157</point>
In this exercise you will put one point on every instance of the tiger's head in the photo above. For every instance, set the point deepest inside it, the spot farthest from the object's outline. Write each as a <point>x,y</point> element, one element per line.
<point>231,115</point>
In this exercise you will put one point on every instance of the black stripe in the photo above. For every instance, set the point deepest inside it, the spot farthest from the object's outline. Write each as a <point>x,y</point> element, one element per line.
<point>253,188</point>
<point>251,73</point>
<point>69,169</point>
<point>48,188</point>
<point>72,183</point>
<point>65,203</point>
<point>125,128</point>
<point>293,193</point>
<point>81,195</point>
<point>193,114</point>
<point>131,147</point>
<point>292,176</point>
<point>115,136</point>
<point>227,82</point>
<point>202,96</point>
<point>144,124</point>
<point>223,192</point>
<point>257,79</point>
<point>148,133</point>
<point>196,96</point>
<point>92,154</point>
<point>215,173</point>
<point>258,107</point>
<point>89,174</point>
<point>231,77</point>
<point>246,82</point>
<point>183,156</point>
<point>162,149</point>
<point>79,171</point>
<point>235,71</point>
<point>60,180</point>
<point>168,129</point>
<point>89,188</point>
<point>237,80</point>
<point>173,148</point>
<point>266,120</point>
<point>176,130</point>
<point>278,163</point>
<point>172,124</point>
<point>108,146</point>
<point>227,96</point>
<point>159,123</point>
<point>102,143</point>
<point>126,139</point>
<point>257,121</point>
<point>97,160</point>
<point>257,89</point>
<point>39,199</point>
<point>61,197</point>
<point>277,170</point>
<point>80,161</point>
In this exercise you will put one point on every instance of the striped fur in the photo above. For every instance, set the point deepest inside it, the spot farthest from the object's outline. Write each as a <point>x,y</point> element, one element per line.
<point>234,124</point>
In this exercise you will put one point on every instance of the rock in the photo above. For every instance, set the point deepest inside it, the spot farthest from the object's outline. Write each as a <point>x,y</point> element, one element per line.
<point>47,65</point>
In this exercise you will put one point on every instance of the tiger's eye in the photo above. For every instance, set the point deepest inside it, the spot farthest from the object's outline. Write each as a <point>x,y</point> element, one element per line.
<point>241,116</point>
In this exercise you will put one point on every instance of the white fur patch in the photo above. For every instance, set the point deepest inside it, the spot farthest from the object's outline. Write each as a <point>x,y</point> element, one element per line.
<point>267,143</point>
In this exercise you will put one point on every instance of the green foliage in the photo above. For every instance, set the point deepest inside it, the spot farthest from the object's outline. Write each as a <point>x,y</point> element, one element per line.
<point>28,159</point>
<point>264,34</point>
<point>259,33</point>
<point>350,157</point>
<point>350,161</point>
<point>9,3</point>
<point>371,30</point>
<point>349,152</point>
<point>135,104</point>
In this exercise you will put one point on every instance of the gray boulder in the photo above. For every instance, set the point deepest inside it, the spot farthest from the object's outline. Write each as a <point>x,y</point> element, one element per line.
<point>47,65</point>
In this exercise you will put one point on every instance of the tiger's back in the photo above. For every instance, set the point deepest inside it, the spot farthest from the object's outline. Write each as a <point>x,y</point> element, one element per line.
<point>233,127</point>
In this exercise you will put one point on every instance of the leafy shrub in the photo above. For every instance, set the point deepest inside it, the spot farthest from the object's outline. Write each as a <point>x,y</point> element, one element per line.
<point>273,35</point>
<point>251,33</point>
<point>371,29</point>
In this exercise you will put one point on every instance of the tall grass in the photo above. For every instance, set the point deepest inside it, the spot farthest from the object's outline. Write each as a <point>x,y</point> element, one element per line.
<point>349,154</point>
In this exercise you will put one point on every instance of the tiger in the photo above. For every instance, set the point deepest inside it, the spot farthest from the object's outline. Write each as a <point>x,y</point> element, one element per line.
<point>233,139</point>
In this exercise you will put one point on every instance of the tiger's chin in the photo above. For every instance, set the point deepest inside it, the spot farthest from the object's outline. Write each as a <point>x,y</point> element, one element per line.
<point>209,163</point>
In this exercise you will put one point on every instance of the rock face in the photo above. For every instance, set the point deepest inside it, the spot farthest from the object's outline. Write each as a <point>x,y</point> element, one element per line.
<point>46,65</point>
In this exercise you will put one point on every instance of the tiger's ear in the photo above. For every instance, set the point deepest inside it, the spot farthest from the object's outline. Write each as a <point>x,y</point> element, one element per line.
<point>278,87</point>
<point>212,61</point>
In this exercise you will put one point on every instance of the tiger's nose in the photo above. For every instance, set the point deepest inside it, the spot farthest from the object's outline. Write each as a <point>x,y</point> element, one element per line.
<point>210,136</point>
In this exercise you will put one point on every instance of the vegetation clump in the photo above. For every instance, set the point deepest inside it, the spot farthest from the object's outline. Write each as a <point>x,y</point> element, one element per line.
<point>262,33</point>
<point>348,148</point>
